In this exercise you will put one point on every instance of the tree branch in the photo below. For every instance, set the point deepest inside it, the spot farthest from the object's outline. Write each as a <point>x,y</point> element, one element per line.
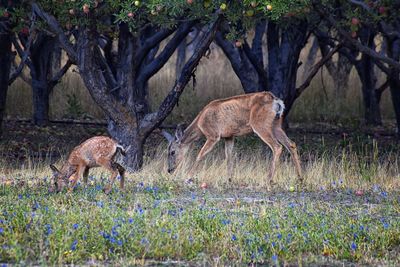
<point>150,69</point>
<point>153,120</point>
<point>24,56</point>
<point>257,64</point>
<point>55,26</point>
<point>57,77</point>
<point>315,70</point>
<point>372,53</point>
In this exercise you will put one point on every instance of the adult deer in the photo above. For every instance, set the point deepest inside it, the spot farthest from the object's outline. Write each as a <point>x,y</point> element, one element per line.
<point>94,152</point>
<point>260,113</point>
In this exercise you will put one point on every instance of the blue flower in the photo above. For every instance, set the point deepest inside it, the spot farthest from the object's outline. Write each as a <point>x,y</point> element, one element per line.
<point>1,230</point>
<point>75,226</point>
<point>234,238</point>
<point>19,196</point>
<point>385,225</point>
<point>119,242</point>
<point>353,246</point>
<point>130,220</point>
<point>144,241</point>
<point>74,244</point>
<point>48,229</point>
<point>225,222</point>
<point>274,257</point>
<point>279,236</point>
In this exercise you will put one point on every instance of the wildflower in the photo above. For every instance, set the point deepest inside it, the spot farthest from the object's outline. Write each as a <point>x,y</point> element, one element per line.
<point>234,238</point>
<point>75,226</point>
<point>385,225</point>
<point>100,204</point>
<point>130,220</point>
<point>279,236</point>
<point>225,222</point>
<point>48,229</point>
<point>384,194</point>
<point>274,258</point>
<point>119,242</point>
<point>144,241</point>
<point>353,246</point>
<point>74,244</point>
<point>1,230</point>
<point>19,196</point>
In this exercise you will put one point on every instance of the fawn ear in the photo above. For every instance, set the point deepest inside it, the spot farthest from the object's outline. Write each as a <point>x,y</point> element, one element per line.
<point>54,169</point>
<point>167,136</point>
<point>179,132</point>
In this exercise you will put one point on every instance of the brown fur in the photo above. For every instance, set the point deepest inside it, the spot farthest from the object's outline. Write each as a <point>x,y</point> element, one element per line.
<point>231,117</point>
<point>94,152</point>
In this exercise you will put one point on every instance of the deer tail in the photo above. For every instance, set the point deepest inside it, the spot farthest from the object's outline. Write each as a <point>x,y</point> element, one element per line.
<point>278,107</point>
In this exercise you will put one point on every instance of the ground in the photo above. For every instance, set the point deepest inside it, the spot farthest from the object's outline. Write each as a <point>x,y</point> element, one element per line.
<point>347,212</point>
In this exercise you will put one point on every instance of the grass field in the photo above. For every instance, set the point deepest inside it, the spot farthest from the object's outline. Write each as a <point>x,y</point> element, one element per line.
<point>347,212</point>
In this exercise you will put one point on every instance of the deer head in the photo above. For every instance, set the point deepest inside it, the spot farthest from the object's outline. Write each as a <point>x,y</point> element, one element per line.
<point>175,153</point>
<point>60,178</point>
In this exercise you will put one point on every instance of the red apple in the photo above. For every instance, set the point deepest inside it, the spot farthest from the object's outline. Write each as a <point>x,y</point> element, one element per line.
<point>355,21</point>
<point>71,11</point>
<point>25,31</point>
<point>130,15</point>
<point>382,10</point>
<point>238,43</point>
<point>354,34</point>
<point>204,186</point>
<point>253,4</point>
<point>6,14</point>
<point>189,2</point>
<point>359,193</point>
<point>85,8</point>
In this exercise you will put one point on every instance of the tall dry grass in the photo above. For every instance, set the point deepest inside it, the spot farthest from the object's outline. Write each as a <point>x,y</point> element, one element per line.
<point>215,79</point>
<point>328,170</point>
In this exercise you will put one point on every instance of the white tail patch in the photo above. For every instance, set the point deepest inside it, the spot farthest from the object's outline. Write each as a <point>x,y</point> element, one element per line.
<point>278,107</point>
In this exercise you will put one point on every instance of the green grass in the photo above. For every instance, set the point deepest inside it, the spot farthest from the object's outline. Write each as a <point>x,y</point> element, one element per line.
<point>160,219</point>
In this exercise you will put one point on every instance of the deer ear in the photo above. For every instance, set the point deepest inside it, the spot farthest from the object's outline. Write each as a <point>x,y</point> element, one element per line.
<point>54,169</point>
<point>179,132</point>
<point>167,136</point>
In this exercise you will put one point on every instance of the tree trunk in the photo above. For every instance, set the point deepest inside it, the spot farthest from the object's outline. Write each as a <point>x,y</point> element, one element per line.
<point>127,134</point>
<point>180,57</point>
<point>6,57</point>
<point>284,47</point>
<point>41,70</point>
<point>393,47</point>
<point>366,71</point>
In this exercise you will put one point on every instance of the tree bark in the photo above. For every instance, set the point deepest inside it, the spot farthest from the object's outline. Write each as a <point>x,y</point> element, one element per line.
<point>393,46</point>
<point>41,70</point>
<point>366,71</point>
<point>6,58</point>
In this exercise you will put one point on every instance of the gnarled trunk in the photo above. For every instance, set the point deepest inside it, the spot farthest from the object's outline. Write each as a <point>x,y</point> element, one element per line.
<point>6,57</point>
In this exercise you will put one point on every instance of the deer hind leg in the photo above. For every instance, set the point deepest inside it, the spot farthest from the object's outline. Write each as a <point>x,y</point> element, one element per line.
<point>291,147</point>
<point>207,147</point>
<point>266,135</point>
<point>229,142</point>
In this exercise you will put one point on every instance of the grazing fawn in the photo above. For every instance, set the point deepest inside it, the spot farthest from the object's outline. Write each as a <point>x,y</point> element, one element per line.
<point>94,152</point>
<point>260,113</point>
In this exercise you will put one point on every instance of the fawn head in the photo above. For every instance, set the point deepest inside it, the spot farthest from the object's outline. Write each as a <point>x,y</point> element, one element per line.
<point>175,155</point>
<point>60,180</point>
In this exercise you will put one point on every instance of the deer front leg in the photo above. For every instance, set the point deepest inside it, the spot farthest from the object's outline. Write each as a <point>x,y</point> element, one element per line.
<point>207,147</point>
<point>75,177</point>
<point>86,175</point>
<point>266,135</point>
<point>229,142</point>
<point>291,147</point>
<point>114,173</point>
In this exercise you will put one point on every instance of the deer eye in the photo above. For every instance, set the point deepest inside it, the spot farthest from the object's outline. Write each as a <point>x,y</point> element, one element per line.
<point>172,153</point>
